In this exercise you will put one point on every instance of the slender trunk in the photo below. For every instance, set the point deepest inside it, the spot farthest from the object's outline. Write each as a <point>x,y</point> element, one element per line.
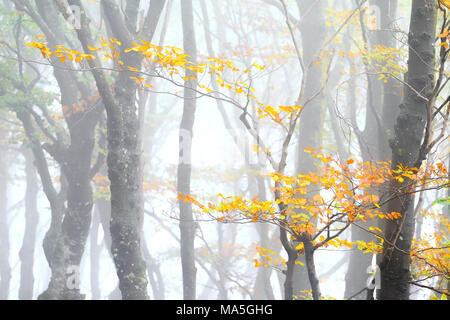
<point>94,255</point>
<point>263,288</point>
<point>222,264</point>
<point>311,119</point>
<point>289,280</point>
<point>187,225</point>
<point>356,274</point>
<point>154,274</point>
<point>5,268</point>
<point>26,252</point>
<point>52,243</point>
<point>311,267</point>
<point>391,87</point>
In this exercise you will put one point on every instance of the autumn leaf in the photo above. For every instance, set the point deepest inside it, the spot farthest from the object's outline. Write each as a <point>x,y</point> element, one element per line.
<point>442,201</point>
<point>445,3</point>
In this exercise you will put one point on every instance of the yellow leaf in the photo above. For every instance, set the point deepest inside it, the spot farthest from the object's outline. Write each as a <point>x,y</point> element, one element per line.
<point>446,3</point>
<point>375,229</point>
<point>318,198</point>
<point>258,66</point>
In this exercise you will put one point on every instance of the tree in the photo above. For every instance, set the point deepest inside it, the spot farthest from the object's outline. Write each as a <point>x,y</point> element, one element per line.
<point>419,98</point>
<point>5,267</point>
<point>381,110</point>
<point>187,223</point>
<point>65,241</point>
<point>27,250</point>
<point>122,134</point>
<point>310,134</point>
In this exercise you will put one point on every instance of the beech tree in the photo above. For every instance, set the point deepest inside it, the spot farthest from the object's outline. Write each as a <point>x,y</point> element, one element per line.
<point>187,224</point>
<point>411,143</point>
<point>122,132</point>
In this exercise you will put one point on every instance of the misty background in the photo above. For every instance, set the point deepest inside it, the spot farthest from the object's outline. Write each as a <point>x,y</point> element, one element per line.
<point>254,36</point>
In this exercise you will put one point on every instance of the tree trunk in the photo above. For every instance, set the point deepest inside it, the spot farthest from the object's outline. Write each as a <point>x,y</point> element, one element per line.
<point>312,24</point>
<point>409,130</point>
<point>310,266</point>
<point>26,252</point>
<point>263,288</point>
<point>289,280</point>
<point>187,224</point>
<point>123,171</point>
<point>5,268</point>
<point>123,142</point>
<point>53,244</point>
<point>382,102</point>
<point>75,163</point>
<point>94,255</point>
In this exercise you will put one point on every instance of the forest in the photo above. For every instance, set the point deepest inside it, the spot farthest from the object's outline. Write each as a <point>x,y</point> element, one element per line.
<point>224,150</point>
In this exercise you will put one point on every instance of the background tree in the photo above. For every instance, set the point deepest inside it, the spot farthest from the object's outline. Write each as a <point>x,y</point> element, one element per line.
<point>187,223</point>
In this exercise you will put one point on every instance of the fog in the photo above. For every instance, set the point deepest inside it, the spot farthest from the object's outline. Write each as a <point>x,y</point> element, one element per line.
<point>127,127</point>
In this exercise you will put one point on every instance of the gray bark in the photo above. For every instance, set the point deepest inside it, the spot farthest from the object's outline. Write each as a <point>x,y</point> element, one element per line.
<point>123,147</point>
<point>26,252</point>
<point>187,224</point>
<point>312,24</point>
<point>94,255</point>
<point>5,267</point>
<point>68,235</point>
<point>409,131</point>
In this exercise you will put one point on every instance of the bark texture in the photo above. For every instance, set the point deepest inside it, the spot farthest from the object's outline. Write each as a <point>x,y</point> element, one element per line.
<point>409,131</point>
<point>187,224</point>
<point>123,138</point>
